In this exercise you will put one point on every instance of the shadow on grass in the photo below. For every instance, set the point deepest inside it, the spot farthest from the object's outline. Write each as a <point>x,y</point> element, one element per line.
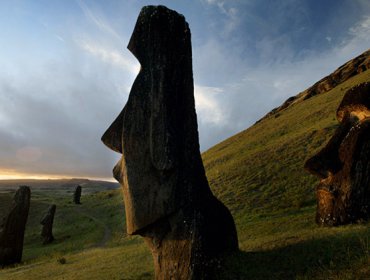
<point>310,258</point>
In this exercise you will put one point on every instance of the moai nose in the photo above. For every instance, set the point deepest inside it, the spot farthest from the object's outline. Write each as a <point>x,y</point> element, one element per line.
<point>112,138</point>
<point>327,161</point>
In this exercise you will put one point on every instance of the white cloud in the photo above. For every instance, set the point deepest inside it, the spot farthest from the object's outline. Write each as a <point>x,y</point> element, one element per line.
<point>29,154</point>
<point>357,41</point>
<point>362,29</point>
<point>111,56</point>
<point>98,21</point>
<point>231,13</point>
<point>242,92</point>
<point>62,103</point>
<point>59,38</point>
<point>208,106</point>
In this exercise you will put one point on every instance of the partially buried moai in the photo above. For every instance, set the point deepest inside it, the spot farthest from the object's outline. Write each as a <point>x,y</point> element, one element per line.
<point>12,230</point>
<point>77,195</point>
<point>343,194</point>
<point>167,197</point>
<point>47,225</point>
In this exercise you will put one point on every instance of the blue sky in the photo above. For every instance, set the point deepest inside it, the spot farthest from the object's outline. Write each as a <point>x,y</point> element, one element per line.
<point>66,73</point>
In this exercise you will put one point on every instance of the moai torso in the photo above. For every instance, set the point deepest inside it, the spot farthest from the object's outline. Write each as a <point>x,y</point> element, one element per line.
<point>12,232</point>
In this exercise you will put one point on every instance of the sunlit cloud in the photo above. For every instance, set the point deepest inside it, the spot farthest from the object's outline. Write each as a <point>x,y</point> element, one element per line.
<point>111,56</point>
<point>207,104</point>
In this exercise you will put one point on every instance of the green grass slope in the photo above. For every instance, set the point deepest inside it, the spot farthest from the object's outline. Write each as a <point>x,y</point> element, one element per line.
<point>102,211</point>
<point>90,237</point>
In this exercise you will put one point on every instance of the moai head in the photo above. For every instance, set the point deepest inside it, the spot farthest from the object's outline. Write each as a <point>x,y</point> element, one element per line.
<point>49,216</point>
<point>343,165</point>
<point>156,132</point>
<point>47,223</point>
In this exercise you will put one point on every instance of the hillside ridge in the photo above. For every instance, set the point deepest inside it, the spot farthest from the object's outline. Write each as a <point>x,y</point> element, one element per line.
<point>349,69</point>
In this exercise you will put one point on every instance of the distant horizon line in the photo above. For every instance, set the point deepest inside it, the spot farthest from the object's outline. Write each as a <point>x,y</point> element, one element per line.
<point>52,177</point>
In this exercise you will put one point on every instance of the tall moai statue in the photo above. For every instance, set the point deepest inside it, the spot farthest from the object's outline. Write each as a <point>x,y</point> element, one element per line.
<point>343,165</point>
<point>77,195</point>
<point>166,193</point>
<point>12,231</point>
<point>47,225</point>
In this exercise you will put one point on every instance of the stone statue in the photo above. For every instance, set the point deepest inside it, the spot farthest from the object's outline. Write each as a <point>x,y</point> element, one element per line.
<point>47,225</point>
<point>166,193</point>
<point>77,195</point>
<point>12,231</point>
<point>343,165</point>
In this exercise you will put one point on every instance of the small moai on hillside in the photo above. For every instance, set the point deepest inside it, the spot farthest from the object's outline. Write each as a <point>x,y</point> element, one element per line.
<point>47,225</point>
<point>167,197</point>
<point>14,224</point>
<point>343,165</point>
<point>77,195</point>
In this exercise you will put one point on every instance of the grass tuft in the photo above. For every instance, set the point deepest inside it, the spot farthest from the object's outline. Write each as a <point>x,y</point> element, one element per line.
<point>62,260</point>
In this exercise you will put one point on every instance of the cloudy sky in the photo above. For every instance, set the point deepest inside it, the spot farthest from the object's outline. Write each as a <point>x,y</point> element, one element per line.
<point>66,73</point>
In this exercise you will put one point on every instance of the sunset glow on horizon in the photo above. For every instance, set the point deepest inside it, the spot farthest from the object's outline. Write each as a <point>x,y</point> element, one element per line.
<point>6,174</point>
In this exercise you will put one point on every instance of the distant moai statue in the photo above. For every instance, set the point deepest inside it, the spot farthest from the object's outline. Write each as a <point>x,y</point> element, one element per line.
<point>47,225</point>
<point>167,197</point>
<point>343,165</point>
<point>77,195</point>
<point>12,231</point>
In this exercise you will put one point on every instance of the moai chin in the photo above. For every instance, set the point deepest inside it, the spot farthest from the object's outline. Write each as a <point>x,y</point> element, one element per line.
<point>12,231</point>
<point>167,197</point>
<point>343,165</point>
<point>47,225</point>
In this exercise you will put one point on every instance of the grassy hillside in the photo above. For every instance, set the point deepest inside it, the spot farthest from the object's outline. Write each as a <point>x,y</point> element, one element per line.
<point>257,173</point>
<point>276,246</point>
<point>260,170</point>
<point>102,211</point>
<point>90,237</point>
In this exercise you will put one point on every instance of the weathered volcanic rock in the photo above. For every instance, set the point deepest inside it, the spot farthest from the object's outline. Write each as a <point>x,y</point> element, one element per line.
<point>12,231</point>
<point>167,197</point>
<point>343,195</point>
<point>47,225</point>
<point>77,195</point>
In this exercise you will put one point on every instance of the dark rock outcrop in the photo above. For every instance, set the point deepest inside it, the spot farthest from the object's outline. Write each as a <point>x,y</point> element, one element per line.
<point>343,194</point>
<point>77,195</point>
<point>351,68</point>
<point>47,225</point>
<point>12,230</point>
<point>167,197</point>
